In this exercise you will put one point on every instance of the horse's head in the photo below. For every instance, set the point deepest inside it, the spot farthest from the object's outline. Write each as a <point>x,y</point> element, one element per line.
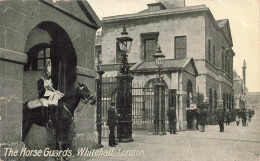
<point>86,95</point>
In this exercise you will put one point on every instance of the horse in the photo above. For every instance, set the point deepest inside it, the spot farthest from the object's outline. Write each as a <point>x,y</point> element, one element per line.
<point>61,116</point>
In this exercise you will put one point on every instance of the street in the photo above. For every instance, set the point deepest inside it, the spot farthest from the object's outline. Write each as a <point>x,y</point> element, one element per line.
<point>235,144</point>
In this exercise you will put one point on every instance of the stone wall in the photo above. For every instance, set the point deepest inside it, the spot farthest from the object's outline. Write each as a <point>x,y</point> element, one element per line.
<point>168,27</point>
<point>18,19</point>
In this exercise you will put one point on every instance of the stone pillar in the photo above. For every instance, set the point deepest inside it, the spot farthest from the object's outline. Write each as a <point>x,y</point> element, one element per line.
<point>11,101</point>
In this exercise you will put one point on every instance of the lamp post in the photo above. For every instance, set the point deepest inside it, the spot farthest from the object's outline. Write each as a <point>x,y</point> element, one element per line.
<point>159,95</point>
<point>99,106</point>
<point>124,91</point>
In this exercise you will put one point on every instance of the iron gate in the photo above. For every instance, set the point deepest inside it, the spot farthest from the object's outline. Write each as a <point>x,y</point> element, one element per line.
<point>142,103</point>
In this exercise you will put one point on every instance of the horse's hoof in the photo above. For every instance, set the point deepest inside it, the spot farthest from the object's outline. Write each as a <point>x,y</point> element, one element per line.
<point>57,158</point>
<point>64,159</point>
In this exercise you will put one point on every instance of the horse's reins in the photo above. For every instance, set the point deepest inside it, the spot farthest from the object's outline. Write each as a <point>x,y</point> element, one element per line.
<point>67,110</point>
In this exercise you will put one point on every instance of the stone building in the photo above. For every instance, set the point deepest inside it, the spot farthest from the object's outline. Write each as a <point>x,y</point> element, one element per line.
<point>240,90</point>
<point>239,94</point>
<point>31,32</point>
<point>186,34</point>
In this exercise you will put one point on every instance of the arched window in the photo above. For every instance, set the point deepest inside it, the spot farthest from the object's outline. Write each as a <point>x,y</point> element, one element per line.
<point>37,57</point>
<point>210,99</point>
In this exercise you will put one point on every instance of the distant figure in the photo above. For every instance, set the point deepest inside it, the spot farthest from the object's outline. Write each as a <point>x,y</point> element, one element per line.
<point>111,123</point>
<point>203,118</point>
<point>228,117</point>
<point>197,115</point>
<point>237,120</point>
<point>247,117</point>
<point>243,117</point>
<point>250,115</point>
<point>221,119</point>
<point>172,120</point>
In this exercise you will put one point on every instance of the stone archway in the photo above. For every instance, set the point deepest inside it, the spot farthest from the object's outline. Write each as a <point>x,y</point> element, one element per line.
<point>47,41</point>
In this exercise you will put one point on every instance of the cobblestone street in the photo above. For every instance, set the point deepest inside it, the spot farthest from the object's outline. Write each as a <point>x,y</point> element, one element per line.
<point>235,144</point>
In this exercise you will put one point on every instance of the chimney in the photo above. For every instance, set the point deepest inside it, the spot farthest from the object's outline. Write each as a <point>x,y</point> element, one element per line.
<point>244,76</point>
<point>179,3</point>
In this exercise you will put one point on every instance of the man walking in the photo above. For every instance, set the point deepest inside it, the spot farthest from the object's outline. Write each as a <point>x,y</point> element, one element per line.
<point>172,120</point>
<point>220,119</point>
<point>228,118</point>
<point>111,123</point>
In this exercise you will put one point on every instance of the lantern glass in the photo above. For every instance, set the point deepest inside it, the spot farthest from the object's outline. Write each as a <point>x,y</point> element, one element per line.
<point>125,43</point>
<point>159,57</point>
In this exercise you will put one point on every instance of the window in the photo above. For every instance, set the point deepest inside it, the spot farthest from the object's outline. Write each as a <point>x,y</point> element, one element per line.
<point>209,47</point>
<point>98,58</point>
<point>37,58</point>
<point>223,61</point>
<point>226,63</point>
<point>149,43</point>
<point>228,70</point>
<point>180,47</point>
<point>118,53</point>
<point>215,100</point>
<point>210,99</point>
<point>214,56</point>
<point>149,49</point>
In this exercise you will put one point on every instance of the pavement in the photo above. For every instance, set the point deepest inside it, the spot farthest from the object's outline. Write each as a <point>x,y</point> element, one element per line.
<point>235,144</point>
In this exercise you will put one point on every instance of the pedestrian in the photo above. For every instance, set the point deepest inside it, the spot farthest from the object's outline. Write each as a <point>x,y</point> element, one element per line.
<point>172,120</point>
<point>111,123</point>
<point>237,120</point>
<point>203,117</point>
<point>197,115</point>
<point>247,117</point>
<point>243,117</point>
<point>228,117</point>
<point>221,119</point>
<point>250,115</point>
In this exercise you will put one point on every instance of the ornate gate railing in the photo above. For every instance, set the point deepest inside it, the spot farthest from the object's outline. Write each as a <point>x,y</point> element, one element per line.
<point>142,103</point>
<point>142,107</point>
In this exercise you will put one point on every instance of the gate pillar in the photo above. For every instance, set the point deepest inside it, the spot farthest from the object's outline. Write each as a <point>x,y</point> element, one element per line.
<point>159,109</point>
<point>124,108</point>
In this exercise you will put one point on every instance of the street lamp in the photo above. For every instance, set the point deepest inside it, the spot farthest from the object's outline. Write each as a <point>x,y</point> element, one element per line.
<point>125,44</point>
<point>124,90</point>
<point>159,60</point>
<point>159,95</point>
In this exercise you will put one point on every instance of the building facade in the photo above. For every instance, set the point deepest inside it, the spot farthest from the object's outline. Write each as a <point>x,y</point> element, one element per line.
<point>31,32</point>
<point>188,34</point>
<point>240,89</point>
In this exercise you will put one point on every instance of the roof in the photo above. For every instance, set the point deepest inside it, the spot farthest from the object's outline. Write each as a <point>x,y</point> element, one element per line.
<point>163,5</point>
<point>225,27</point>
<point>221,23</point>
<point>169,65</point>
<point>71,8</point>
<point>169,11</point>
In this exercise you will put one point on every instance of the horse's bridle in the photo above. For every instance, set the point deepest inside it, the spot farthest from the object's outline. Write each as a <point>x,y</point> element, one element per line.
<point>83,94</point>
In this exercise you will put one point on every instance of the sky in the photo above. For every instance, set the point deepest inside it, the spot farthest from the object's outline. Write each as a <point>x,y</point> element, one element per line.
<point>244,21</point>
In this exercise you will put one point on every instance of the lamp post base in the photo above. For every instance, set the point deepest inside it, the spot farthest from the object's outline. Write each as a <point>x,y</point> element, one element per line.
<point>98,146</point>
<point>125,140</point>
<point>160,133</point>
